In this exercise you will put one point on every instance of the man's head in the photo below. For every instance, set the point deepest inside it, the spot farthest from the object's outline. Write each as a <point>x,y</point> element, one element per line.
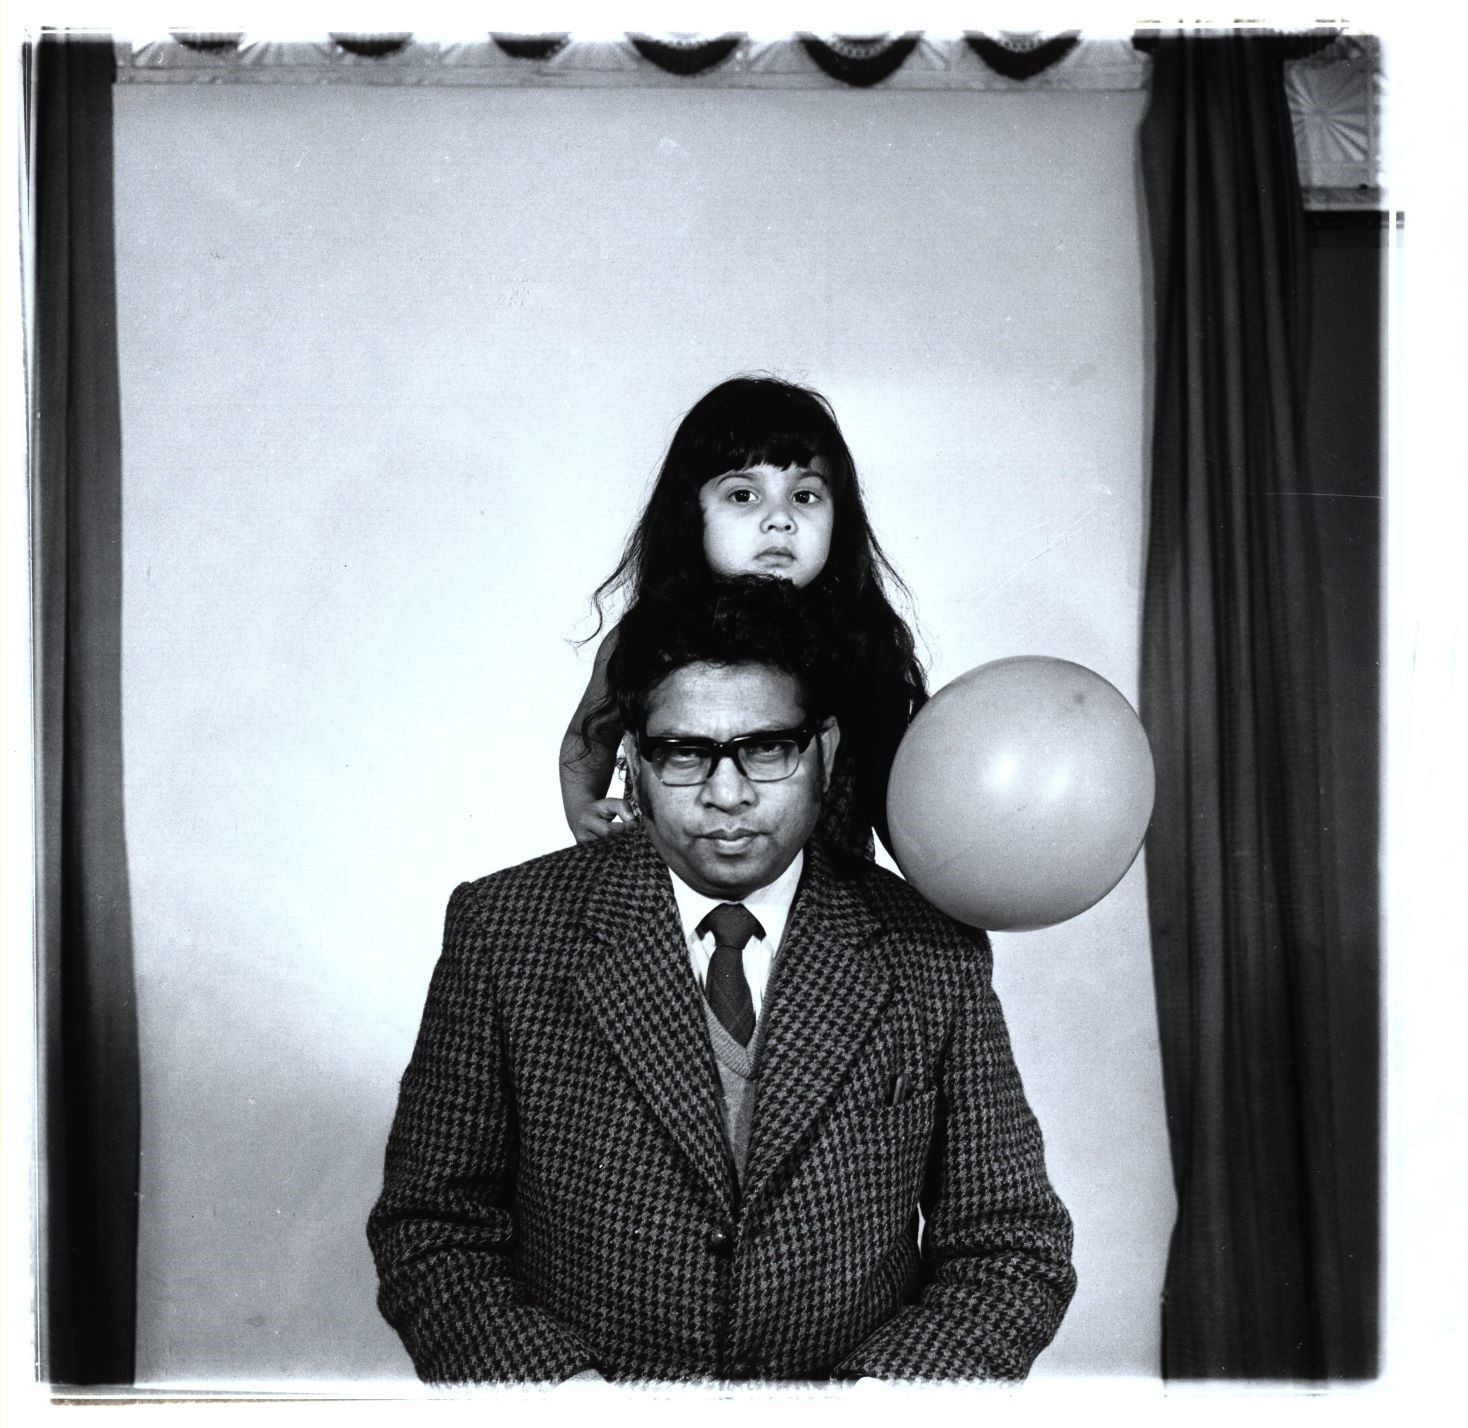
<point>743,662</point>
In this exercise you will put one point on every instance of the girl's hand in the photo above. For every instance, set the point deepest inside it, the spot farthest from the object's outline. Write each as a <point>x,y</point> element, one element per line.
<point>603,818</point>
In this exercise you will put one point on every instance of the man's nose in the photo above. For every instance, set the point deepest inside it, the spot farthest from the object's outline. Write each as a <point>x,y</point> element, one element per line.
<point>727,787</point>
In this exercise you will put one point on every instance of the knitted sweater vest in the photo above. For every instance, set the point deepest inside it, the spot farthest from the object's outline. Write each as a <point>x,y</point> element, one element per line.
<point>737,1078</point>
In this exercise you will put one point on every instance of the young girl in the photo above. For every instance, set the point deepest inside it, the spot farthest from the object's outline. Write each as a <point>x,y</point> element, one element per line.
<point>758,480</point>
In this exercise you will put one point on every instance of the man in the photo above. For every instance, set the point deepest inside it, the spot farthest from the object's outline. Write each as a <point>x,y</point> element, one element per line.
<point>678,1095</point>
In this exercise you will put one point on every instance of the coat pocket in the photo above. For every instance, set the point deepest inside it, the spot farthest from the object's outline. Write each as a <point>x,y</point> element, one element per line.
<point>897,1138</point>
<point>890,1153</point>
<point>892,1124</point>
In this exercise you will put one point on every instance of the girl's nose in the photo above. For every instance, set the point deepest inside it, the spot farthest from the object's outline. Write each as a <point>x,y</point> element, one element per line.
<point>779,517</point>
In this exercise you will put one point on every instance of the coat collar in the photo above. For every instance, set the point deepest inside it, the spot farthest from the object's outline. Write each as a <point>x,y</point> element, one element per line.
<point>637,986</point>
<point>827,991</point>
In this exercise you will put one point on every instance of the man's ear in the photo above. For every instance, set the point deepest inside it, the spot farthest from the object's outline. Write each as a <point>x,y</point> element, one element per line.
<point>632,787</point>
<point>830,740</point>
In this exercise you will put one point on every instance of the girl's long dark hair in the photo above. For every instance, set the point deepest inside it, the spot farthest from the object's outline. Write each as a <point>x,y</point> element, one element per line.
<point>749,421</point>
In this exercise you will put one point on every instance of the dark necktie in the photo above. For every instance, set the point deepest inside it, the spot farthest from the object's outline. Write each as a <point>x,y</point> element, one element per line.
<point>725,987</point>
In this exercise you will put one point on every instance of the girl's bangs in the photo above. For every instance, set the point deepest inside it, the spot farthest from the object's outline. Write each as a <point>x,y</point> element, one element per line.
<point>781,444</point>
<point>781,449</point>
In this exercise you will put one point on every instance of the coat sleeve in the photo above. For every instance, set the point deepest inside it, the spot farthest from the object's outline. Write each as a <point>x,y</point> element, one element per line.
<point>441,1231</point>
<point>997,1240</point>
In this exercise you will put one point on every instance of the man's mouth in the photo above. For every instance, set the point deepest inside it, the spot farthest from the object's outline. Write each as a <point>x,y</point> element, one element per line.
<point>731,840</point>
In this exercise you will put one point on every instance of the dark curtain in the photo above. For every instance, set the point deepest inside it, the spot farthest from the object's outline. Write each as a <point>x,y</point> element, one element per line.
<point>1241,858</point>
<point>88,1015</point>
<point>1343,432</point>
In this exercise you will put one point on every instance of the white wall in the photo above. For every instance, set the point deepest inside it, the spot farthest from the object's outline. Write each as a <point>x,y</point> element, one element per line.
<point>397,364</point>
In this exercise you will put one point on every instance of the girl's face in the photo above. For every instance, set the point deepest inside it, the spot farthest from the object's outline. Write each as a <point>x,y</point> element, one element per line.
<point>768,520</point>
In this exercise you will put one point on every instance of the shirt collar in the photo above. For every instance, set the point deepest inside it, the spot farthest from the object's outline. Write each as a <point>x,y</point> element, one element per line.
<point>770,904</point>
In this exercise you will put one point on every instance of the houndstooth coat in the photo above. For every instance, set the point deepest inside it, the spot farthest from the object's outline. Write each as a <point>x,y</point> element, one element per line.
<point>559,1194</point>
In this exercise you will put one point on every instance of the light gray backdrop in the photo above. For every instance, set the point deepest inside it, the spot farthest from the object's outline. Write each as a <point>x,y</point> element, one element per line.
<point>397,366</point>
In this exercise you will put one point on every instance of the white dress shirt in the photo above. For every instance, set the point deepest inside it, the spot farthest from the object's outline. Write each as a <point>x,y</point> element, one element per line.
<point>770,905</point>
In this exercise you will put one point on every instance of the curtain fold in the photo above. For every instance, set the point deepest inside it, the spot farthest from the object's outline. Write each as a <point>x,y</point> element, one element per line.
<point>1235,696</point>
<point>88,1016</point>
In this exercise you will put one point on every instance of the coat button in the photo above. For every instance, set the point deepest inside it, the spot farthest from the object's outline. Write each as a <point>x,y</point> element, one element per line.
<point>719,1241</point>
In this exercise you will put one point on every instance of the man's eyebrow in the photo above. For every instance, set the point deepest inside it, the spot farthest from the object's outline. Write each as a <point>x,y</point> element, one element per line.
<point>746,734</point>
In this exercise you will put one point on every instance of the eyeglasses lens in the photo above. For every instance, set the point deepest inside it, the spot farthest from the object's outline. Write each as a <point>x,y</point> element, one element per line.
<point>765,761</point>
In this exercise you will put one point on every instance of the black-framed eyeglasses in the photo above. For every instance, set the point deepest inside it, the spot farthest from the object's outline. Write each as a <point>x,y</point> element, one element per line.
<point>767,757</point>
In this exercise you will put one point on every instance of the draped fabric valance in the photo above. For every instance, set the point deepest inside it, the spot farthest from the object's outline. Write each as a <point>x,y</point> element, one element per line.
<point>1334,82</point>
<point>1001,60</point>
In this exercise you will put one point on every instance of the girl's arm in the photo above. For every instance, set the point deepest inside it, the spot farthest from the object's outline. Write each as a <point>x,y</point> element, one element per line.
<point>586,769</point>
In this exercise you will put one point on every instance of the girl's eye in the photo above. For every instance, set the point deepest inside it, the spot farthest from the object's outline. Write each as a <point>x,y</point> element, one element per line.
<point>742,495</point>
<point>806,498</point>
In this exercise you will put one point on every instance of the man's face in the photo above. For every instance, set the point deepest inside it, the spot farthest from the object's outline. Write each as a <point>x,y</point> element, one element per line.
<point>729,835</point>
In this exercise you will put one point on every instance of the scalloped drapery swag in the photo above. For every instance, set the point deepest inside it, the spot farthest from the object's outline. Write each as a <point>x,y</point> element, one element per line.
<point>685,57</point>
<point>531,47</point>
<point>1022,57</point>
<point>209,43</point>
<point>860,62</point>
<point>372,46</point>
<point>909,59</point>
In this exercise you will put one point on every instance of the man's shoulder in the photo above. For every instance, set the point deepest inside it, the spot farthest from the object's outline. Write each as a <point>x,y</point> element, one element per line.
<point>549,878</point>
<point>525,923</point>
<point>913,923</point>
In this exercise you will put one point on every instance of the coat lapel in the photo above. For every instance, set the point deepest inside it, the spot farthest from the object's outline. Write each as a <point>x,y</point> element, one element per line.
<point>638,989</point>
<point>828,990</point>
